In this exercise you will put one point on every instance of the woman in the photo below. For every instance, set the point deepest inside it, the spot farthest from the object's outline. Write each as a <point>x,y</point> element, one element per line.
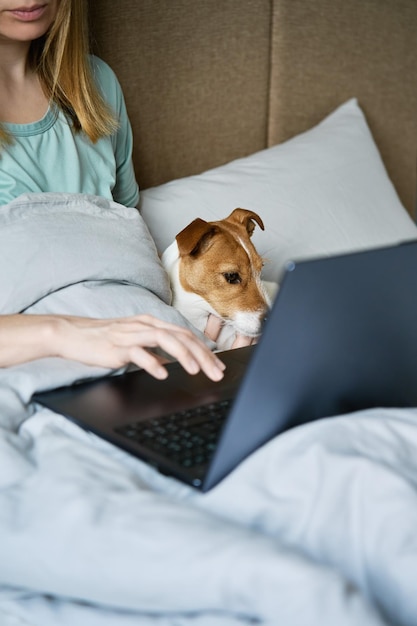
<point>64,128</point>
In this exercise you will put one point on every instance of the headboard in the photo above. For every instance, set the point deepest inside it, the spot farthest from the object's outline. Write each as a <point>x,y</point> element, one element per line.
<point>207,81</point>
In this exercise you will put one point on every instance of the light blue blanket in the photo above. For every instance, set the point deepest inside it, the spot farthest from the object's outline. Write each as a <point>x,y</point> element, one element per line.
<point>317,528</point>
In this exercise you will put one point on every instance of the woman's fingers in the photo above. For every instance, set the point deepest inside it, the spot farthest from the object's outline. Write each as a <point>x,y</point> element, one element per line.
<point>179,343</point>
<point>117,342</point>
<point>148,361</point>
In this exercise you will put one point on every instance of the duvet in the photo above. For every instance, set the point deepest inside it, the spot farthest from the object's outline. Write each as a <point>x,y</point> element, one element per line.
<point>316,528</point>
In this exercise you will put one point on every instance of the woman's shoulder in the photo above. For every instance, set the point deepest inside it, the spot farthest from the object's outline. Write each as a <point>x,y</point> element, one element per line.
<point>101,70</point>
<point>106,80</point>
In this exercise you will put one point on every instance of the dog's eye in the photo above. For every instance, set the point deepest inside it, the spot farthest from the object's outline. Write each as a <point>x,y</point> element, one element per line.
<point>232,277</point>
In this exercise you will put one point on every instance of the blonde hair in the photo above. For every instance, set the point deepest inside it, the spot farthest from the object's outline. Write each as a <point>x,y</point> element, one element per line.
<point>61,61</point>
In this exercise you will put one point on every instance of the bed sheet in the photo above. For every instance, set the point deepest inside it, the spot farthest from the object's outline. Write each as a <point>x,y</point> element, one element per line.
<point>316,528</point>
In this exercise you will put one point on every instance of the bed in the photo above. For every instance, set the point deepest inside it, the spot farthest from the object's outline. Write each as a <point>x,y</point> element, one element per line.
<point>305,112</point>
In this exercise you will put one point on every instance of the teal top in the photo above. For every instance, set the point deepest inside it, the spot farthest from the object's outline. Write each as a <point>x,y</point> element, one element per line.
<point>48,156</point>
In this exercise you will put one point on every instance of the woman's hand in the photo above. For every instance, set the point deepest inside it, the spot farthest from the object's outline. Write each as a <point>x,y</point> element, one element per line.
<point>110,343</point>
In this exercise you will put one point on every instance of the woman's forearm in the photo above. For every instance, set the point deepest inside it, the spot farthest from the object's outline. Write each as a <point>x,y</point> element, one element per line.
<point>27,337</point>
<point>109,343</point>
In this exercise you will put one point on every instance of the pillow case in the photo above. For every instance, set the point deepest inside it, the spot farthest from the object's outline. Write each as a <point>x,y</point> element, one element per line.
<point>326,191</point>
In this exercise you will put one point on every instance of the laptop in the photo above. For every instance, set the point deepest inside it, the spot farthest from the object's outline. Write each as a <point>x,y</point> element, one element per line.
<point>341,336</point>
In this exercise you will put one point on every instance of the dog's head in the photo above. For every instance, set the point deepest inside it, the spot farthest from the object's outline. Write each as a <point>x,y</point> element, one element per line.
<point>219,262</point>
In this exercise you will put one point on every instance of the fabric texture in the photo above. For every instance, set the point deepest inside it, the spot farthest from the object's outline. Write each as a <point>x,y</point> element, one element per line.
<point>74,163</point>
<point>86,256</point>
<point>73,238</point>
<point>90,535</point>
<point>195,77</point>
<point>323,192</point>
<point>327,51</point>
<point>209,82</point>
<point>314,528</point>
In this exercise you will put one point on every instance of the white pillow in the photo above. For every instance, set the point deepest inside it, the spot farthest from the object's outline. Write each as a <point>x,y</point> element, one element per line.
<point>323,192</point>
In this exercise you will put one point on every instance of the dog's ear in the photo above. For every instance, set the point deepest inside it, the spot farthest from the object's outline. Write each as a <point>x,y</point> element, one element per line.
<point>195,237</point>
<point>247,218</point>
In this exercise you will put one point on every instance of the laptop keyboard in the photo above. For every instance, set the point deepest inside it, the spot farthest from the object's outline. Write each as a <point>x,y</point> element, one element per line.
<point>188,437</point>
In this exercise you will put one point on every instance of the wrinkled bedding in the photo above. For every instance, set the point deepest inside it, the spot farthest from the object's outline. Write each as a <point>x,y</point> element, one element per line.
<point>316,528</point>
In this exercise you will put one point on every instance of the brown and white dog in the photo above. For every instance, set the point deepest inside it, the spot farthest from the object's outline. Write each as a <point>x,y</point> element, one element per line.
<point>214,268</point>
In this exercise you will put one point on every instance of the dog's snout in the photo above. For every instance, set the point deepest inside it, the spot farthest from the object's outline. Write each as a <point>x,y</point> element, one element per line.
<point>263,321</point>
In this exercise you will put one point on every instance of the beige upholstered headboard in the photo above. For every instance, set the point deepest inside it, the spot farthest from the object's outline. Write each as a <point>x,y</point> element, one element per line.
<point>207,81</point>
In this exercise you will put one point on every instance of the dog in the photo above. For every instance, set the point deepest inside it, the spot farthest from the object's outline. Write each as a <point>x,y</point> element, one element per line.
<point>214,268</point>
